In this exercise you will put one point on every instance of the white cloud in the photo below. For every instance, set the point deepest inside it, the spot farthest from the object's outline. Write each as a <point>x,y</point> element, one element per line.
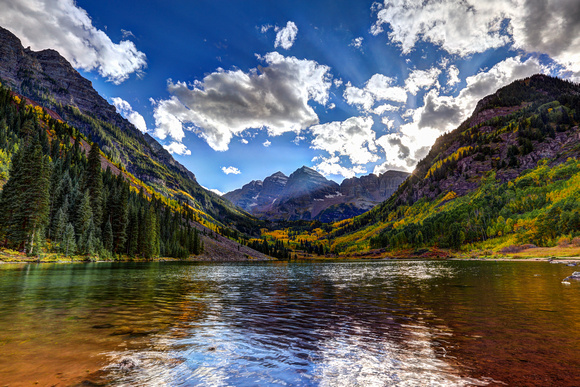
<point>337,82</point>
<point>244,141</point>
<point>267,143</point>
<point>286,36</point>
<point>551,27</point>
<point>67,28</point>
<point>357,42</point>
<point>377,88</point>
<point>265,28</point>
<point>353,138</point>
<point>545,26</point>
<point>169,115</point>
<point>231,170</point>
<point>389,123</point>
<point>422,79</point>
<point>177,148</point>
<point>297,139</point>
<point>452,76</point>
<point>227,103</point>
<point>443,23</point>
<point>126,33</point>
<point>381,109</point>
<point>360,97</point>
<point>331,106</point>
<point>215,191</point>
<point>125,109</point>
<point>331,166</point>
<point>380,87</point>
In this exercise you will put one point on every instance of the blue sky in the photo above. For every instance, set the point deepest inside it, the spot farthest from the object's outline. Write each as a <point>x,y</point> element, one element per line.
<point>238,90</point>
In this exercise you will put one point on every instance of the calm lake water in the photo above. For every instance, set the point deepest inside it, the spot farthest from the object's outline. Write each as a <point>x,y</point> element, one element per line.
<point>388,323</point>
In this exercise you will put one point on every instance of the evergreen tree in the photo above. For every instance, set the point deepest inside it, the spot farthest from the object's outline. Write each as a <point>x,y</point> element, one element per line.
<point>108,236</point>
<point>133,234</point>
<point>68,245</point>
<point>119,216</point>
<point>94,184</point>
<point>196,243</point>
<point>60,223</point>
<point>25,199</point>
<point>83,217</point>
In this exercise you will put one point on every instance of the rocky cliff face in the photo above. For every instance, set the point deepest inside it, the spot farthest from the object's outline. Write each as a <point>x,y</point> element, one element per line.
<point>308,195</point>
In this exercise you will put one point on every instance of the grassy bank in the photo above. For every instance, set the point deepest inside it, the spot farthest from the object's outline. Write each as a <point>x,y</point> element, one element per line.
<point>11,256</point>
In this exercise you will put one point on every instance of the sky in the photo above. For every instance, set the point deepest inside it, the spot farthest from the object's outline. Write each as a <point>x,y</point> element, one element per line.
<point>238,90</point>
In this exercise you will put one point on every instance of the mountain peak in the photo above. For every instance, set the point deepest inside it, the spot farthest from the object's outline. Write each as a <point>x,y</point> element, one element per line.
<point>306,172</point>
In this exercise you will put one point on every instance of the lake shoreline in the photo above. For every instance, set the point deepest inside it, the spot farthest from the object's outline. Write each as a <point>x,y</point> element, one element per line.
<point>373,255</point>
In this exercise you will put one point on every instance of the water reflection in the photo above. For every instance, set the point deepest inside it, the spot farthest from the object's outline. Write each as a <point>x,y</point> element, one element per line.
<point>350,323</point>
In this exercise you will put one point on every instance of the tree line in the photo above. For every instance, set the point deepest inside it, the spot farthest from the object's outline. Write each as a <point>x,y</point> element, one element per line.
<point>56,198</point>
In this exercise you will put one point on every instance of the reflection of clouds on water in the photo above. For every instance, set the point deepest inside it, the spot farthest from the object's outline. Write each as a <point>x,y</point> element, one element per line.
<point>342,324</point>
<point>342,273</point>
<point>351,360</point>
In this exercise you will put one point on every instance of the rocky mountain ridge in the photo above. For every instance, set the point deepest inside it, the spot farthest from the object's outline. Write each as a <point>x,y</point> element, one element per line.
<point>49,79</point>
<point>509,132</point>
<point>307,195</point>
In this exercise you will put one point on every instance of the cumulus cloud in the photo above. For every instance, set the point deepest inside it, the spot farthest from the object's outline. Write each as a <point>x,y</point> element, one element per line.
<point>177,148</point>
<point>441,113</point>
<point>286,36</point>
<point>443,22</point>
<point>67,28</point>
<point>215,191</point>
<point>244,141</point>
<point>378,88</point>
<point>381,109</point>
<point>357,42</point>
<point>353,138</point>
<point>226,103</point>
<point>331,166</point>
<point>231,170</point>
<point>388,122</point>
<point>125,109</point>
<point>169,116</point>
<point>267,143</point>
<point>452,76</point>
<point>422,79</point>
<point>551,27</point>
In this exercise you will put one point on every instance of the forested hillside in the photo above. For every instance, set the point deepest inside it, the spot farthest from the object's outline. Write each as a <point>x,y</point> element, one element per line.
<point>56,198</point>
<point>46,78</point>
<point>508,176</point>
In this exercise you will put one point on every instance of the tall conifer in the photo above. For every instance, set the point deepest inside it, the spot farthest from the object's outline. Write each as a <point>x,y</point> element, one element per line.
<point>94,183</point>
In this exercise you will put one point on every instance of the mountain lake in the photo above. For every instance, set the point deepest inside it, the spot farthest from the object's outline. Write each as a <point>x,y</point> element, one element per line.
<point>344,323</point>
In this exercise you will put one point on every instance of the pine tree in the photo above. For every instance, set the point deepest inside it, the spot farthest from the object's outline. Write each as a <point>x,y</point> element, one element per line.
<point>108,236</point>
<point>60,223</point>
<point>83,217</point>
<point>94,184</point>
<point>68,245</point>
<point>196,244</point>
<point>25,199</point>
<point>119,216</point>
<point>133,234</point>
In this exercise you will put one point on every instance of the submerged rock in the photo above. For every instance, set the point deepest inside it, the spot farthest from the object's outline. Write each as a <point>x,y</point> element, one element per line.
<point>127,364</point>
<point>574,276</point>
